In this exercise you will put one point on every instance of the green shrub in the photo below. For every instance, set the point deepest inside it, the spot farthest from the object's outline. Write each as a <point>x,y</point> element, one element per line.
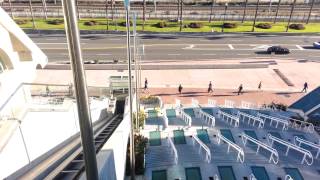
<point>195,25</point>
<point>297,26</point>
<point>141,118</point>
<point>55,22</point>
<point>264,26</point>
<point>149,100</point>
<point>124,23</point>
<point>229,25</point>
<point>21,21</point>
<point>161,24</point>
<point>90,23</point>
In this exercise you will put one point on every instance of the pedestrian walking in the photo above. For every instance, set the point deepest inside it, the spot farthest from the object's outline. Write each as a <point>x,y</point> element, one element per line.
<point>145,84</point>
<point>305,87</point>
<point>180,89</point>
<point>260,85</point>
<point>240,89</point>
<point>47,90</point>
<point>210,90</point>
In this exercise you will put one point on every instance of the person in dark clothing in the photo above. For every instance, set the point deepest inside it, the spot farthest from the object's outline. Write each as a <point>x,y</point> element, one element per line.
<point>305,87</point>
<point>180,89</point>
<point>210,90</point>
<point>260,85</point>
<point>145,84</point>
<point>240,89</point>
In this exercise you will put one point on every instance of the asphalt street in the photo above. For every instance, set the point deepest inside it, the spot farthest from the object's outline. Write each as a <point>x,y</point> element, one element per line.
<point>158,48</point>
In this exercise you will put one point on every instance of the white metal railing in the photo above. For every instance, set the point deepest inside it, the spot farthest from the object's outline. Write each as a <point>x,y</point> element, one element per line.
<point>194,102</point>
<point>203,147</point>
<point>229,103</point>
<point>225,116</point>
<point>252,177</point>
<point>186,117</point>
<point>272,119</point>
<point>306,153</point>
<point>274,156</point>
<point>212,103</point>
<point>208,118</point>
<point>240,155</point>
<point>298,141</point>
<point>216,177</point>
<point>300,125</point>
<point>247,105</point>
<point>178,106</point>
<point>173,150</point>
<point>250,118</point>
<point>165,117</point>
<point>288,177</point>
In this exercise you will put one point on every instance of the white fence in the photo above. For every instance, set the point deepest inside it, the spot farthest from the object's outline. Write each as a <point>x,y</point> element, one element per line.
<point>247,105</point>
<point>212,103</point>
<point>173,150</point>
<point>306,154</point>
<point>298,141</point>
<point>208,118</point>
<point>254,119</point>
<point>274,156</point>
<point>194,102</point>
<point>252,177</point>
<point>301,125</point>
<point>228,117</point>
<point>229,104</point>
<point>240,156</point>
<point>202,147</point>
<point>186,117</point>
<point>165,117</point>
<point>272,119</point>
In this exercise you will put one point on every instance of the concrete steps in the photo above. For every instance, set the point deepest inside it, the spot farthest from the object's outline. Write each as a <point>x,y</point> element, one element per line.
<point>158,156</point>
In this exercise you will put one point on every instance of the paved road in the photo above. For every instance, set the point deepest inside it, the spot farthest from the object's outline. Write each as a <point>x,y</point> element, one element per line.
<point>159,48</point>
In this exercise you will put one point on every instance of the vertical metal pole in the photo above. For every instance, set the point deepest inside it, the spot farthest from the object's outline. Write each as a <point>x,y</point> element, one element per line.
<point>44,9</point>
<point>277,12</point>
<point>224,17</point>
<point>32,16</point>
<point>310,11</point>
<point>11,10</point>
<point>24,142</point>
<point>255,16</point>
<point>181,4</point>
<point>73,37</point>
<point>291,12</point>
<point>244,11</point>
<point>211,11</point>
<point>132,153</point>
<point>136,67</point>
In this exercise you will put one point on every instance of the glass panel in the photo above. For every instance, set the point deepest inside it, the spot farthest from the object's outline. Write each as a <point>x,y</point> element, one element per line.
<point>294,173</point>
<point>179,137</point>
<point>260,173</point>
<point>203,135</point>
<point>193,173</point>
<point>226,173</point>
<point>155,138</point>
<point>227,133</point>
<point>159,175</point>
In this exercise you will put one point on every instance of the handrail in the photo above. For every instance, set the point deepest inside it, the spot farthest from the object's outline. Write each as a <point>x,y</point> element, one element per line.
<point>306,153</point>
<point>212,103</point>
<point>288,177</point>
<point>274,156</point>
<point>202,146</point>
<point>215,177</point>
<point>232,118</point>
<point>174,150</point>
<point>240,155</point>
<point>300,125</point>
<point>194,102</point>
<point>251,117</point>
<point>186,117</point>
<point>229,103</point>
<point>165,117</point>
<point>252,177</point>
<point>298,141</point>
<point>208,118</point>
<point>278,120</point>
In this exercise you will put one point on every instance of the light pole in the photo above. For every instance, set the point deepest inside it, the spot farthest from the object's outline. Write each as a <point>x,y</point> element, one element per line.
<point>255,16</point>
<point>224,17</point>
<point>291,12</point>
<point>79,79</point>
<point>132,153</point>
<point>244,11</point>
<point>277,12</point>
<point>310,11</point>
<point>136,67</point>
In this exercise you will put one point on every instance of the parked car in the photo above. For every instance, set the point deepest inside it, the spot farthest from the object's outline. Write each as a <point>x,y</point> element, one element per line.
<point>316,45</point>
<point>278,50</point>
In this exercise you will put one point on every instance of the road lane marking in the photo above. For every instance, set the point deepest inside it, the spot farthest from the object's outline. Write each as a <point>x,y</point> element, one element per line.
<point>230,46</point>
<point>51,39</point>
<point>236,40</point>
<point>174,54</point>
<point>299,47</point>
<point>189,47</point>
<point>209,54</point>
<point>103,54</point>
<point>243,54</point>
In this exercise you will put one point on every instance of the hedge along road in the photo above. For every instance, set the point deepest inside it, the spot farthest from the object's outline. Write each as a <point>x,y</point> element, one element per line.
<point>150,25</point>
<point>161,48</point>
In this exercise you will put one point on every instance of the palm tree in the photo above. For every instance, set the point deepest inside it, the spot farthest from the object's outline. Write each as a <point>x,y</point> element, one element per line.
<point>44,9</point>
<point>211,11</point>
<point>244,11</point>
<point>277,12</point>
<point>144,14</point>
<point>181,4</point>
<point>255,15</point>
<point>77,5</point>
<point>32,15</point>
<point>11,10</point>
<point>107,16</point>
<point>112,10</point>
<point>292,8</point>
<point>178,9</point>
<point>310,11</point>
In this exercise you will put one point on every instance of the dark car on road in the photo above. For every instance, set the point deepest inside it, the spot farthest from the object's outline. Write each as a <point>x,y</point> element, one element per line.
<point>316,45</point>
<point>278,50</point>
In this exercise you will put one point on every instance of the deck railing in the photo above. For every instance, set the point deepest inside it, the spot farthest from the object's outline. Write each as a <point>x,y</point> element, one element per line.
<point>228,117</point>
<point>298,141</point>
<point>288,177</point>
<point>300,125</point>
<point>194,102</point>
<point>208,118</point>
<point>240,155</point>
<point>229,104</point>
<point>202,147</point>
<point>252,177</point>
<point>173,150</point>
<point>272,119</point>
<point>251,118</point>
<point>186,117</point>
<point>306,154</point>
<point>274,156</point>
<point>165,117</point>
<point>212,103</point>
<point>247,105</point>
